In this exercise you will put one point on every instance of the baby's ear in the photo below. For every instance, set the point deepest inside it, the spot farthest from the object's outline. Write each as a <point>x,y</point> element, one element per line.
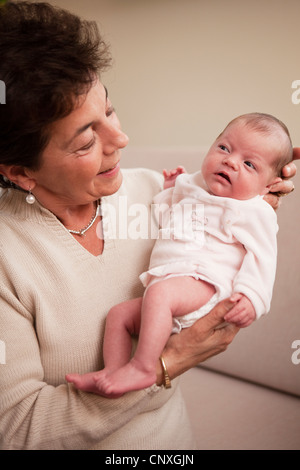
<point>276,179</point>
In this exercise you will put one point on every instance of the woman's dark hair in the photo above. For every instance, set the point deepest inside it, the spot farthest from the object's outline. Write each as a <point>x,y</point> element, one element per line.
<point>49,57</point>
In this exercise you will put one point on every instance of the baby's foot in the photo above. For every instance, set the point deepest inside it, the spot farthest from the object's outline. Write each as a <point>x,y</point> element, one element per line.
<point>83,382</point>
<point>87,383</point>
<point>127,378</point>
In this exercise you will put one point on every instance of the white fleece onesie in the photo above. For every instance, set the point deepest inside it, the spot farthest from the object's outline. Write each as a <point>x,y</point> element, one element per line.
<point>227,242</point>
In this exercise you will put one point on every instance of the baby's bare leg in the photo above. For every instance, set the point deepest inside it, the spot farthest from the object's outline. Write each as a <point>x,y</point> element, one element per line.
<point>163,300</point>
<point>122,321</point>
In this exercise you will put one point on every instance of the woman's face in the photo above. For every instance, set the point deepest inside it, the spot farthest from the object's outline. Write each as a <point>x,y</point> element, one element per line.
<point>81,161</point>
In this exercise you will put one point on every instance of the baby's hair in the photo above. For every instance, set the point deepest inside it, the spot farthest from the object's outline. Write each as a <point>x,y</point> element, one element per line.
<point>268,124</point>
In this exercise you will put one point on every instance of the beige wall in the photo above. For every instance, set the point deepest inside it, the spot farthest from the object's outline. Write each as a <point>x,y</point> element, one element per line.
<point>184,68</point>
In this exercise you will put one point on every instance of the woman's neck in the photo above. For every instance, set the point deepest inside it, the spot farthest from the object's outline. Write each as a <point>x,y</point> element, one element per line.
<point>82,221</point>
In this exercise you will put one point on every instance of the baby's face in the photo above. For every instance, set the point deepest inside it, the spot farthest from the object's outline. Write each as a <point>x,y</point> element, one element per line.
<point>239,163</point>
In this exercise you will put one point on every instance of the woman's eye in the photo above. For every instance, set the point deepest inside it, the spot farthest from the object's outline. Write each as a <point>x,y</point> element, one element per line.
<point>224,148</point>
<point>110,111</point>
<point>250,164</point>
<point>87,146</point>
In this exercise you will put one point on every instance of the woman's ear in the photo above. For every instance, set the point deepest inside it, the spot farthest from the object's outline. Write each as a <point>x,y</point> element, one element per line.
<point>17,175</point>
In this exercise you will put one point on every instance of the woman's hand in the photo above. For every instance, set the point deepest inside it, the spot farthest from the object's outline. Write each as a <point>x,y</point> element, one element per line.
<point>285,186</point>
<point>193,345</point>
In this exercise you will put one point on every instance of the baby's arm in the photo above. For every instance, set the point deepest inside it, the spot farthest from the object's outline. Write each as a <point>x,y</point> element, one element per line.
<point>243,313</point>
<point>256,230</point>
<point>171,175</point>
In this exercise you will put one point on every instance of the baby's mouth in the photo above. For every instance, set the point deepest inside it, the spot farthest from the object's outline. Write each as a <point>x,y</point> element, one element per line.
<point>225,176</point>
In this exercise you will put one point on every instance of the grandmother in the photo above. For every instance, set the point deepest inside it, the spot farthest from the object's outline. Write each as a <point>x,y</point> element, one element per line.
<point>61,271</point>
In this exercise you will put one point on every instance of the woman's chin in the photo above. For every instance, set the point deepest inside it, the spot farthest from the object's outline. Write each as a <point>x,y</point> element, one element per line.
<point>110,185</point>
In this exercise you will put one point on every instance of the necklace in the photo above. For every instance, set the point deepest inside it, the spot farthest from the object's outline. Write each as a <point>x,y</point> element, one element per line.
<point>89,225</point>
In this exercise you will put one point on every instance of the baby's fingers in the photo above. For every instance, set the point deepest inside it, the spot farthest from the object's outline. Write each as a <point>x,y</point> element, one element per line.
<point>166,173</point>
<point>233,315</point>
<point>243,323</point>
<point>236,297</point>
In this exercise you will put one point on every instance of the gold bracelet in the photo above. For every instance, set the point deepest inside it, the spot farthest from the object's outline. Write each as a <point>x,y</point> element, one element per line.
<point>166,381</point>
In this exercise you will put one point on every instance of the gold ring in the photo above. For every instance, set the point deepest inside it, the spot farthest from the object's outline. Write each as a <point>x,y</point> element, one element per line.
<point>166,381</point>
<point>286,194</point>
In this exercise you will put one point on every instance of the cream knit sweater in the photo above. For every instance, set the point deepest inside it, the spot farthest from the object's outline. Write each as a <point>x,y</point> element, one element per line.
<point>54,297</point>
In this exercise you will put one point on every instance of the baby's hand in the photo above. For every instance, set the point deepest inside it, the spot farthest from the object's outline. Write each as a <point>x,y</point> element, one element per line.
<point>243,313</point>
<point>171,175</point>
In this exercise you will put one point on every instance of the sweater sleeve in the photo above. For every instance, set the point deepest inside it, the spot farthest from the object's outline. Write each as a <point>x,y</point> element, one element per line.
<point>257,232</point>
<point>38,416</point>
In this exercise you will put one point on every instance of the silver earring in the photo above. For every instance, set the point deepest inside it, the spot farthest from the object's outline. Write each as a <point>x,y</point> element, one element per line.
<point>30,199</point>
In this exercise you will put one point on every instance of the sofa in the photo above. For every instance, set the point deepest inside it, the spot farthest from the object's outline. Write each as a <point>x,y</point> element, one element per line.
<point>247,398</point>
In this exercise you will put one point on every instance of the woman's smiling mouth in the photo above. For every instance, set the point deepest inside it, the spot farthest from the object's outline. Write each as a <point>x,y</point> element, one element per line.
<point>111,171</point>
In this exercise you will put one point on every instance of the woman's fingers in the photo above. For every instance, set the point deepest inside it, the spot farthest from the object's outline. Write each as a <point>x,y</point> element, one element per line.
<point>207,337</point>
<point>296,153</point>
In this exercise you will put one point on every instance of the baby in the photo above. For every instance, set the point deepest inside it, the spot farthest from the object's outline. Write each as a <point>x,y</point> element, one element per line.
<point>229,250</point>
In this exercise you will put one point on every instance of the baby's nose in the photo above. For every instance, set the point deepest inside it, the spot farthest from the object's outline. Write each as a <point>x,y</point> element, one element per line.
<point>230,161</point>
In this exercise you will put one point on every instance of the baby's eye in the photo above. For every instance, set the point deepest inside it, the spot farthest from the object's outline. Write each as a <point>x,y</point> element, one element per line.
<point>224,148</point>
<point>250,164</point>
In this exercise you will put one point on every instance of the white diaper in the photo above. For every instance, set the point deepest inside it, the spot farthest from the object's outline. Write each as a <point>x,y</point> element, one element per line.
<point>188,320</point>
<point>163,272</point>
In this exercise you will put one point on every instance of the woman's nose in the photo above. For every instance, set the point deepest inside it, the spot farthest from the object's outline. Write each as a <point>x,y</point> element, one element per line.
<point>122,139</point>
<point>231,162</point>
<point>115,139</point>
